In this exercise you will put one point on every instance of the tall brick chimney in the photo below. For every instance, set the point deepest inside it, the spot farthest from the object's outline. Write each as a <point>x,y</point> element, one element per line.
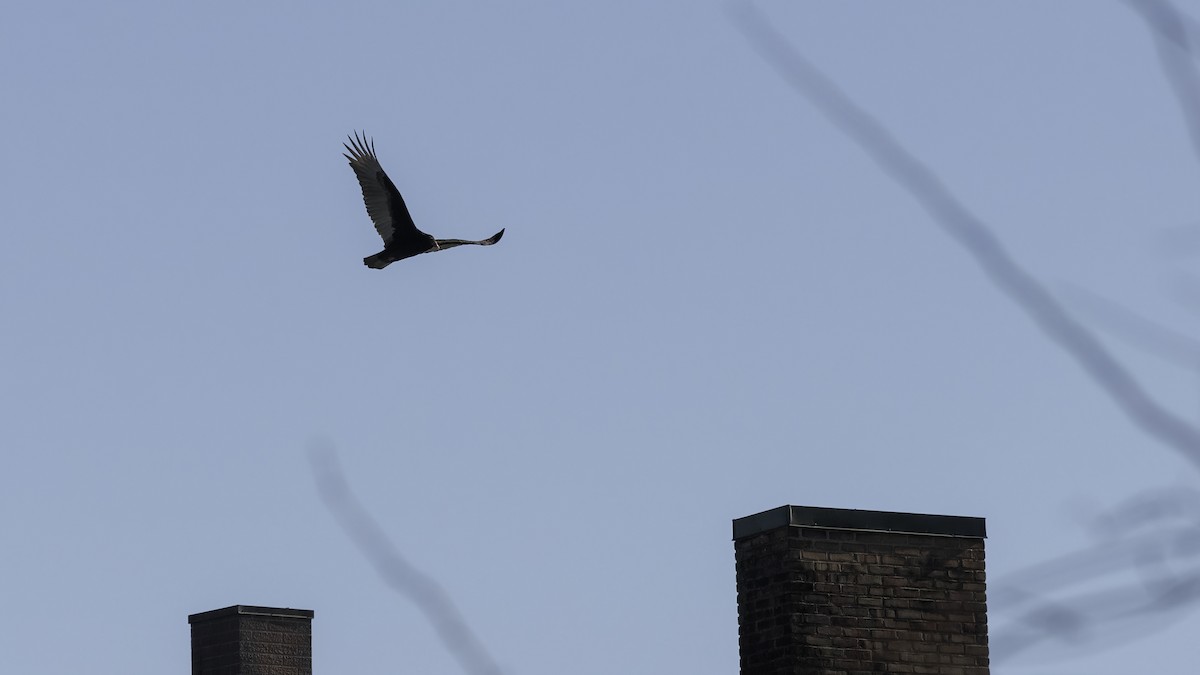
<point>246,640</point>
<point>856,592</point>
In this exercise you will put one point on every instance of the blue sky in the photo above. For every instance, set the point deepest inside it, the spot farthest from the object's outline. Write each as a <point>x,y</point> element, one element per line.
<point>708,302</point>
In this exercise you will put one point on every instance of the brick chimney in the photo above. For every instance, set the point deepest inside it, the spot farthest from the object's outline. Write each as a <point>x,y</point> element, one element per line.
<point>856,592</point>
<point>246,640</point>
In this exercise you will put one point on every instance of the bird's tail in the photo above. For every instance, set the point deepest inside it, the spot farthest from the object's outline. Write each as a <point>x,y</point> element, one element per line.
<point>378,261</point>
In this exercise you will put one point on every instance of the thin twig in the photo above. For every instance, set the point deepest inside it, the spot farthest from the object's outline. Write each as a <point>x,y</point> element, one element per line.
<point>1175,36</point>
<point>426,593</point>
<point>969,231</point>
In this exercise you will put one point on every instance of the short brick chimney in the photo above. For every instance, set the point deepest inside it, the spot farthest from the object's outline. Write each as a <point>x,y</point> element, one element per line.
<point>246,640</point>
<point>856,592</point>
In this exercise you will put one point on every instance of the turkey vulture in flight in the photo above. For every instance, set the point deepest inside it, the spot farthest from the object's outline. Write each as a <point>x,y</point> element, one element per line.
<point>401,238</point>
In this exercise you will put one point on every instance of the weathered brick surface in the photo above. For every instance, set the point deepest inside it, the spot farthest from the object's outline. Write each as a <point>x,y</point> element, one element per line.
<point>244,640</point>
<point>818,601</point>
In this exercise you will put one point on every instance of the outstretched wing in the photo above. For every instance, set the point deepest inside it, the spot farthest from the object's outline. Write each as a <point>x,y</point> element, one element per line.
<point>451,243</point>
<point>384,203</point>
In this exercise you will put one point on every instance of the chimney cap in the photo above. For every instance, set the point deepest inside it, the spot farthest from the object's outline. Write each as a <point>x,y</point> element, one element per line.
<point>855,519</point>
<point>252,610</point>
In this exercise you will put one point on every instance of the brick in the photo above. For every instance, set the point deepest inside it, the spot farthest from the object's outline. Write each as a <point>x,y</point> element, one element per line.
<point>860,601</point>
<point>247,640</point>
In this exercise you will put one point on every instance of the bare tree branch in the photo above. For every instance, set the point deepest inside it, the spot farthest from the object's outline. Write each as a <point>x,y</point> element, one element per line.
<point>970,231</point>
<point>1175,36</point>
<point>1132,328</point>
<point>394,569</point>
<point>1142,572</point>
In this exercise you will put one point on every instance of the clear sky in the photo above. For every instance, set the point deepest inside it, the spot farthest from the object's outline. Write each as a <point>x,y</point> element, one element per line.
<point>708,302</point>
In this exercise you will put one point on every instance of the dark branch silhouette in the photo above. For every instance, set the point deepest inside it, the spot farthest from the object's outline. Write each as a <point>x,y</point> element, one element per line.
<point>1142,571</point>
<point>1134,329</point>
<point>970,231</point>
<point>1177,38</point>
<point>394,569</point>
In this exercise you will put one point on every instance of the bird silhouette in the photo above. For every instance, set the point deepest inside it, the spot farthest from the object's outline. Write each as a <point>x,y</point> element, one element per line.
<point>401,238</point>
